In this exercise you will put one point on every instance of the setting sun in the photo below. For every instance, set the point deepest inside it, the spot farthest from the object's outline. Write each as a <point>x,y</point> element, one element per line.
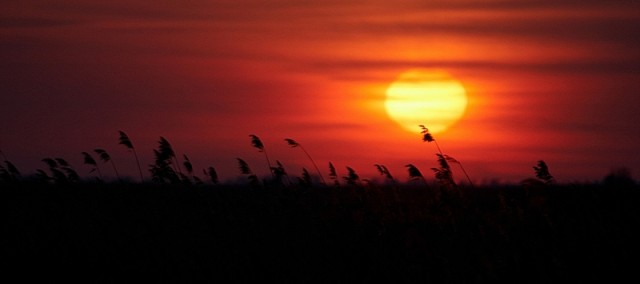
<point>501,79</point>
<point>429,97</point>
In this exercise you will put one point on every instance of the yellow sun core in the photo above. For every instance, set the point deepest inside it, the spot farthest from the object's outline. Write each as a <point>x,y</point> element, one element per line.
<point>425,97</point>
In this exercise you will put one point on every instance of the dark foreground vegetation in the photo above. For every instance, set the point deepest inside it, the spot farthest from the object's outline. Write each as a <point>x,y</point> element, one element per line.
<point>107,233</point>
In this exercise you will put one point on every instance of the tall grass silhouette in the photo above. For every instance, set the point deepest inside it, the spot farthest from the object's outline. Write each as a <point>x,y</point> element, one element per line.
<point>167,151</point>
<point>89,160</point>
<point>72,174</point>
<point>246,170</point>
<point>352,178</point>
<point>257,143</point>
<point>427,137</point>
<point>56,175</point>
<point>333,174</point>
<point>415,174</point>
<point>305,180</point>
<point>9,173</point>
<point>443,173</point>
<point>542,172</point>
<point>212,174</point>
<point>279,173</point>
<point>189,168</point>
<point>164,170</point>
<point>295,144</point>
<point>452,160</point>
<point>167,169</point>
<point>187,165</point>
<point>382,169</point>
<point>124,140</point>
<point>61,171</point>
<point>106,158</point>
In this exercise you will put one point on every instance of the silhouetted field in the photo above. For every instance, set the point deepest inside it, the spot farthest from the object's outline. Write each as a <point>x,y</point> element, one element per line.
<point>394,234</point>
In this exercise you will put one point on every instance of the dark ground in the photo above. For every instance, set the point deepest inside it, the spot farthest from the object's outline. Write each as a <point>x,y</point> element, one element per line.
<point>133,233</point>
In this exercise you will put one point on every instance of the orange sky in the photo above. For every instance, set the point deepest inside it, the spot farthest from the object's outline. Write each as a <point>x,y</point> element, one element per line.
<point>551,80</point>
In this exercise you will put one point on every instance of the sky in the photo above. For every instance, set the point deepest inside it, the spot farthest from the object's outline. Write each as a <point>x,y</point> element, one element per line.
<point>546,80</point>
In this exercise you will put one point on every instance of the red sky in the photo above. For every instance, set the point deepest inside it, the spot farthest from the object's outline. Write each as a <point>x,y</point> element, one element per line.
<point>550,80</point>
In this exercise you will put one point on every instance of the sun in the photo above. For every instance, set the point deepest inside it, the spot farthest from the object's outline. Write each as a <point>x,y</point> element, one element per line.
<point>426,97</point>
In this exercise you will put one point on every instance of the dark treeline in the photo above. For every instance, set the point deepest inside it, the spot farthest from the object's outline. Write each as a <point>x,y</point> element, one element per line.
<point>402,233</point>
